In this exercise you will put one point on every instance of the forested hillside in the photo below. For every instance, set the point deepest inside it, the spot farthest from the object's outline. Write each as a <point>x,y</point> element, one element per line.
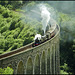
<point>17,30</point>
<point>67,41</point>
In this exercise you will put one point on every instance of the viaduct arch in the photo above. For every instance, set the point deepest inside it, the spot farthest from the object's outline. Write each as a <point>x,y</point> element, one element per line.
<point>42,59</point>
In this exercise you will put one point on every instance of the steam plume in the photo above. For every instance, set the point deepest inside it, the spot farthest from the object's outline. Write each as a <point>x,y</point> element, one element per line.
<point>41,13</point>
<point>45,14</point>
<point>37,36</point>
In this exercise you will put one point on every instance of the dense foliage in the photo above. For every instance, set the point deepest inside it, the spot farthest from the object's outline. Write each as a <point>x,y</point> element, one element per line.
<point>17,30</point>
<point>7,70</point>
<point>67,36</point>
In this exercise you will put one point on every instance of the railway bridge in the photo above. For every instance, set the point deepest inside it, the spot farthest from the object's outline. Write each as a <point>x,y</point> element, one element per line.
<point>42,59</point>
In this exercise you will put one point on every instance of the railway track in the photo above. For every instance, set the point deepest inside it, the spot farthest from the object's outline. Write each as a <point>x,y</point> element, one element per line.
<point>23,48</point>
<point>16,51</point>
<point>19,50</point>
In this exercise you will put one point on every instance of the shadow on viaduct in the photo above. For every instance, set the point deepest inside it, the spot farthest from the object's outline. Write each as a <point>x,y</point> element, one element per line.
<point>43,59</point>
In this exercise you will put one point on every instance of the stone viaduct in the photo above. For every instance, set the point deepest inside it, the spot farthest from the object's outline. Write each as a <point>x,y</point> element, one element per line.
<point>42,59</point>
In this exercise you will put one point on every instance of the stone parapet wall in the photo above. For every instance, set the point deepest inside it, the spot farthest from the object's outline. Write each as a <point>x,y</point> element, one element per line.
<point>43,59</point>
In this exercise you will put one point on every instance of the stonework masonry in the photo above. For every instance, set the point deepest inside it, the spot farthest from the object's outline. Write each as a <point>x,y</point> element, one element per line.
<point>43,59</point>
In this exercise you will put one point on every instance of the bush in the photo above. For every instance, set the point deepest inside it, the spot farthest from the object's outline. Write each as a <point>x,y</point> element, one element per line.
<point>1,51</point>
<point>15,45</point>
<point>19,41</point>
<point>63,72</point>
<point>4,28</point>
<point>1,18</point>
<point>10,41</point>
<point>6,33</point>
<point>16,33</point>
<point>3,23</point>
<point>2,8</point>
<point>7,70</point>
<point>19,24</point>
<point>13,23</point>
<point>2,43</point>
<point>9,6</point>
<point>12,26</point>
<point>5,14</point>
<point>9,19</point>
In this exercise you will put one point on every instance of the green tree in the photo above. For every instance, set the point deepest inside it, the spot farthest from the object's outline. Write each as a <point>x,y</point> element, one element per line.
<point>7,70</point>
<point>2,8</point>
<point>6,13</point>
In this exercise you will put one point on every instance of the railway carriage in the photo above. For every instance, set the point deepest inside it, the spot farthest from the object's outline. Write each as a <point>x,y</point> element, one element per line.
<point>49,34</point>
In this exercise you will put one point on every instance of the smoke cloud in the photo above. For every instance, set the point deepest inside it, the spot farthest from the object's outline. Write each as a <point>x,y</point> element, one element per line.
<point>45,14</point>
<point>37,36</point>
<point>40,13</point>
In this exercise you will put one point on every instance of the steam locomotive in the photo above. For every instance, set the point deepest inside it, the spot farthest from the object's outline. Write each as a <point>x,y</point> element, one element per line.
<point>49,34</point>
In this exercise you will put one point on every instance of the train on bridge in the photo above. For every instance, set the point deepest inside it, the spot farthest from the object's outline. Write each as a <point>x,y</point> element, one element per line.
<point>49,34</point>
<point>35,59</point>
